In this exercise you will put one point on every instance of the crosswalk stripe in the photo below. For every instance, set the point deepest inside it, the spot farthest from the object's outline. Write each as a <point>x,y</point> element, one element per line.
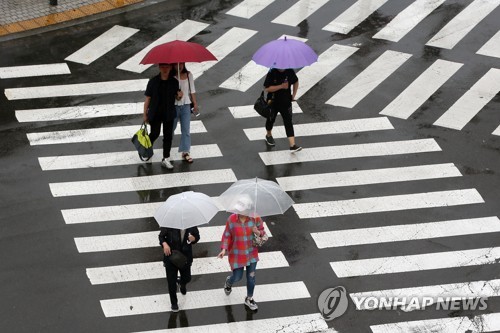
<point>327,62</point>
<point>417,262</point>
<point>202,299</point>
<point>101,45</point>
<point>79,112</point>
<point>297,324</point>
<point>77,89</point>
<point>406,232</point>
<point>224,45</point>
<point>120,158</point>
<point>142,183</point>
<point>247,111</point>
<point>353,16</point>
<point>33,70</point>
<point>184,31</point>
<point>141,240</point>
<point>407,19</point>
<point>492,47</point>
<point>299,12</point>
<point>365,177</point>
<point>249,8</point>
<point>463,23</point>
<point>388,203</point>
<point>379,70</point>
<point>97,134</point>
<point>155,270</point>
<point>441,325</point>
<point>467,106</point>
<point>421,89</point>
<point>324,128</point>
<point>496,131</point>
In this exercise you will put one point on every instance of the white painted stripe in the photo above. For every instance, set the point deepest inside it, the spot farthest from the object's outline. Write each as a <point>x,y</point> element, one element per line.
<point>354,15</point>
<point>492,47</point>
<point>327,61</point>
<point>142,240</point>
<point>296,324</point>
<point>417,262</point>
<point>248,8</point>
<point>388,203</point>
<point>121,158</point>
<point>441,325</point>
<point>79,112</point>
<point>324,128</point>
<point>496,131</point>
<point>467,106</point>
<point>488,322</point>
<point>223,46</point>
<point>202,299</point>
<point>33,70</point>
<point>408,19</point>
<point>184,31</point>
<point>98,134</point>
<point>365,177</point>
<point>142,183</point>
<point>463,23</point>
<point>421,89</point>
<point>379,70</point>
<point>77,89</point>
<point>155,270</point>
<point>102,45</point>
<point>406,232</point>
<point>300,11</point>
<point>247,111</point>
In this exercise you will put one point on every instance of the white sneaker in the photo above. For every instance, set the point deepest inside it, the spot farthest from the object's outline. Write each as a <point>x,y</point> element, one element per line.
<point>166,163</point>
<point>251,303</point>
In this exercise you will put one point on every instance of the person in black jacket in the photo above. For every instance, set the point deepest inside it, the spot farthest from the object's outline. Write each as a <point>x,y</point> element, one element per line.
<point>180,240</point>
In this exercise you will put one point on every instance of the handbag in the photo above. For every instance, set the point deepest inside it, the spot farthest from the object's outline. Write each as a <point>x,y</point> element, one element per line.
<point>178,258</point>
<point>258,240</point>
<point>262,106</point>
<point>142,143</point>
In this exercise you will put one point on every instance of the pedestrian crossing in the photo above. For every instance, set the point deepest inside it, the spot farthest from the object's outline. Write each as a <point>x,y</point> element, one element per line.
<point>334,56</point>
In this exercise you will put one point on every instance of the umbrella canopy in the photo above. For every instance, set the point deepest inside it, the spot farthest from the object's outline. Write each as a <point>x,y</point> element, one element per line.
<point>255,197</point>
<point>177,51</point>
<point>285,53</point>
<point>185,210</point>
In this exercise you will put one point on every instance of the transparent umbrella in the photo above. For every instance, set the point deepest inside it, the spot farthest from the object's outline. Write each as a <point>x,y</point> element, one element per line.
<point>255,197</point>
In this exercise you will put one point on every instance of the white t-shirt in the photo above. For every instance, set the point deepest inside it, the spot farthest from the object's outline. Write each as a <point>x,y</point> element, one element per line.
<point>184,87</point>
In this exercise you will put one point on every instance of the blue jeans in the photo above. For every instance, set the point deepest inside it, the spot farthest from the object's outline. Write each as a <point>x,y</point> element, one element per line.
<point>238,274</point>
<point>184,115</point>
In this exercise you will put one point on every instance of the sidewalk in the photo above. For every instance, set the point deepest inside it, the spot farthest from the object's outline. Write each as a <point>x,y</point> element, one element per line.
<point>23,15</point>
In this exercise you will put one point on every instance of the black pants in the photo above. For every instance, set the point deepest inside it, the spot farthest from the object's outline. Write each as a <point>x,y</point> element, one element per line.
<point>286,114</point>
<point>168,126</point>
<point>172,272</point>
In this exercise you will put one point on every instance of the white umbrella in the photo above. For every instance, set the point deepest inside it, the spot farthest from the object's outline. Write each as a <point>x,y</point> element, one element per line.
<point>255,197</point>
<point>185,210</point>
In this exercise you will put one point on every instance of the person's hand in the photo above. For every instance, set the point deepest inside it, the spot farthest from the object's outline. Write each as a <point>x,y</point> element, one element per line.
<point>255,230</point>
<point>191,238</point>
<point>221,254</point>
<point>179,94</point>
<point>145,118</point>
<point>166,250</point>
<point>284,85</point>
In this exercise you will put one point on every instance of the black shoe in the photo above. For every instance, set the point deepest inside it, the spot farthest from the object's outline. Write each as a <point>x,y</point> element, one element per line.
<point>251,303</point>
<point>270,140</point>
<point>295,149</point>
<point>175,308</point>
<point>227,286</point>
<point>183,289</point>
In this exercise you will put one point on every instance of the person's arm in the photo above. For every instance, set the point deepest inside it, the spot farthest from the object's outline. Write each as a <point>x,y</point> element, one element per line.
<point>272,89</point>
<point>192,92</point>
<point>146,107</point>
<point>194,235</point>
<point>295,87</point>
<point>163,241</point>
<point>226,240</point>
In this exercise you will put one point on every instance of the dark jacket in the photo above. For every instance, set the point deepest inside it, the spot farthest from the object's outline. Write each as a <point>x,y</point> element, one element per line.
<point>173,239</point>
<point>156,111</point>
<point>281,98</point>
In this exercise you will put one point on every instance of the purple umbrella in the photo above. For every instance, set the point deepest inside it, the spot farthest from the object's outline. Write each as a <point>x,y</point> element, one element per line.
<point>285,53</point>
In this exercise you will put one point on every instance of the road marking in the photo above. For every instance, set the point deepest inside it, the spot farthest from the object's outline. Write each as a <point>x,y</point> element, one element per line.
<point>33,70</point>
<point>78,89</point>
<point>324,128</point>
<point>155,270</point>
<point>300,11</point>
<point>417,262</point>
<point>467,106</point>
<point>365,177</point>
<point>463,23</point>
<point>120,158</point>
<point>248,8</point>
<point>224,45</point>
<point>116,185</point>
<point>421,89</point>
<point>98,134</point>
<point>247,111</point>
<point>492,47</point>
<point>351,151</point>
<point>353,16</point>
<point>327,62</point>
<point>388,203</point>
<point>102,45</point>
<point>408,19</point>
<point>406,232</point>
<point>184,31</point>
<point>202,299</point>
<point>442,325</point>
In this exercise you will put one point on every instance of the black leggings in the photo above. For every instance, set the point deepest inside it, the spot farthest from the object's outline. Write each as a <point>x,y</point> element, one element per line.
<point>286,114</point>
<point>168,127</point>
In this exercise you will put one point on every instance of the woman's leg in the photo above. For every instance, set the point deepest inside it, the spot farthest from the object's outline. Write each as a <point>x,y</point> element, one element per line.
<point>251,278</point>
<point>184,113</point>
<point>286,114</point>
<point>236,276</point>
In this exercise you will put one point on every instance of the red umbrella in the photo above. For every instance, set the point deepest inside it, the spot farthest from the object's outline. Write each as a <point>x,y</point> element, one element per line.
<point>177,51</point>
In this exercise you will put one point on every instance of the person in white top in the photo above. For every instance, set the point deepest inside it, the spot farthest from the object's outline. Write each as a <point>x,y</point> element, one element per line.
<point>183,108</point>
